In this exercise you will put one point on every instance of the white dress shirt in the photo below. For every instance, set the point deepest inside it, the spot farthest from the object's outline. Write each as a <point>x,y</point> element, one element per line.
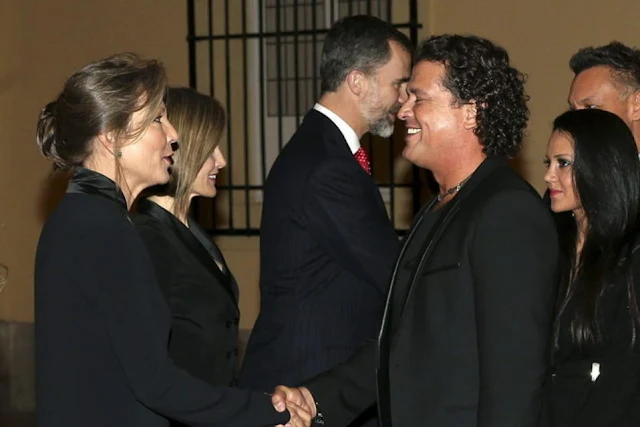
<point>347,131</point>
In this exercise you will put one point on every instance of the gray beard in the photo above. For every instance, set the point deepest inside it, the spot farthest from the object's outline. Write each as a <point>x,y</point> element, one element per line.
<point>383,128</point>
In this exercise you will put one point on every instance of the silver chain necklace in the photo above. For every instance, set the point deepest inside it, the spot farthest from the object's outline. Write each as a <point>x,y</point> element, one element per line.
<point>452,190</point>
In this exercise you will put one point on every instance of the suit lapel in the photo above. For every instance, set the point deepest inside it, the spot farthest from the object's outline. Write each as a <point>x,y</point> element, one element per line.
<point>412,232</point>
<point>189,241</point>
<point>437,231</point>
<point>205,240</point>
<point>337,145</point>
<point>431,242</point>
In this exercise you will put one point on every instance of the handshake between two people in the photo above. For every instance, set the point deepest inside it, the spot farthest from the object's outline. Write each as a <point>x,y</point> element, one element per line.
<point>298,401</point>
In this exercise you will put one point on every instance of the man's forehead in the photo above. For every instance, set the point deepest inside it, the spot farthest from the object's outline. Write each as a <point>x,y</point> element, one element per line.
<point>591,82</point>
<point>425,74</point>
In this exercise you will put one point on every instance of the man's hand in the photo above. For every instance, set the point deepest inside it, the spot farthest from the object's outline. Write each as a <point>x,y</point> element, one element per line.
<point>300,417</point>
<point>298,401</point>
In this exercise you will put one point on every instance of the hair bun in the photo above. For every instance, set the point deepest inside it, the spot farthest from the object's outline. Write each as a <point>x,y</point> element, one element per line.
<point>101,97</point>
<point>47,136</point>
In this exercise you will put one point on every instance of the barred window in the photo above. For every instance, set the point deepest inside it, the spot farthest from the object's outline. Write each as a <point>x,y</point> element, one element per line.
<point>292,56</point>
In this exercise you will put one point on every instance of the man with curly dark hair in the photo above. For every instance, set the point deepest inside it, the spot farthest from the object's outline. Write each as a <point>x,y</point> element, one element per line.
<point>608,78</point>
<point>465,337</point>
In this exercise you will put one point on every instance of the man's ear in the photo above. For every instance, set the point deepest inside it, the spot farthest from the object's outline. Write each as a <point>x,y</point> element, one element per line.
<point>470,110</point>
<point>635,106</point>
<point>357,82</point>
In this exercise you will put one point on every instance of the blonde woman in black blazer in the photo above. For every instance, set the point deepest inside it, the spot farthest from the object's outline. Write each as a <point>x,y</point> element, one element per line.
<point>198,286</point>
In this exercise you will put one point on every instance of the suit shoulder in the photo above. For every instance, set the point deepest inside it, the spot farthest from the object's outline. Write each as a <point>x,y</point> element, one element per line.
<point>303,158</point>
<point>310,134</point>
<point>302,152</point>
<point>505,185</point>
<point>85,225</point>
<point>512,213</point>
<point>151,230</point>
<point>146,221</point>
<point>316,139</point>
<point>84,211</point>
<point>505,196</point>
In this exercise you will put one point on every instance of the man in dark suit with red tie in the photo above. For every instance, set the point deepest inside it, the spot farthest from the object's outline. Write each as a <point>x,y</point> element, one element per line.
<point>327,246</point>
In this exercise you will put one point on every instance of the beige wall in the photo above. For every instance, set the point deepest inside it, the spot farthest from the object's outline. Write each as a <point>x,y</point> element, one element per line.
<point>540,36</point>
<point>42,42</point>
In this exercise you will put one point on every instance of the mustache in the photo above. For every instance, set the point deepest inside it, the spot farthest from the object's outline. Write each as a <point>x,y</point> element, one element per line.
<point>394,110</point>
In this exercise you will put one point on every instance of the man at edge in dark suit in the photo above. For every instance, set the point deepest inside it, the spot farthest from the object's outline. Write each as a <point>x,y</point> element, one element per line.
<point>327,246</point>
<point>465,336</point>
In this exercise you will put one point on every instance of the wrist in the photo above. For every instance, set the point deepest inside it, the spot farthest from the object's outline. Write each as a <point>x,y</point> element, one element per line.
<point>318,420</point>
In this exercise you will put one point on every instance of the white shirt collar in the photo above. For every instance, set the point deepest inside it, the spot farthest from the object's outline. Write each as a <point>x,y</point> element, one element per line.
<point>347,131</point>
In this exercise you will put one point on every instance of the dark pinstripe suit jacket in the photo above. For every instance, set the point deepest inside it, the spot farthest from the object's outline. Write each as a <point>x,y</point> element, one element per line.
<point>327,249</point>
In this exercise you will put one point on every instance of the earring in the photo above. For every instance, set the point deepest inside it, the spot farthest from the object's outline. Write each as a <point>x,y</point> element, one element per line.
<point>118,154</point>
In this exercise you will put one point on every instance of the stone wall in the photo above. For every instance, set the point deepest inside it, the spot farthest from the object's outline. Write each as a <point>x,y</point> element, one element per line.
<point>17,391</point>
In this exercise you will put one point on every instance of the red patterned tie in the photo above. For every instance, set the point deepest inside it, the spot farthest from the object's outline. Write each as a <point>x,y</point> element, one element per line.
<point>363,158</point>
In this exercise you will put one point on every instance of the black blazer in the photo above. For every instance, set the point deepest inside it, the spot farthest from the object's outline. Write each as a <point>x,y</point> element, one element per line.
<point>613,398</point>
<point>464,340</point>
<point>102,327</point>
<point>202,298</point>
<point>326,253</point>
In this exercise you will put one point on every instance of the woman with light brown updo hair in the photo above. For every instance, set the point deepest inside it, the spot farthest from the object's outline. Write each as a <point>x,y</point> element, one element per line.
<point>102,324</point>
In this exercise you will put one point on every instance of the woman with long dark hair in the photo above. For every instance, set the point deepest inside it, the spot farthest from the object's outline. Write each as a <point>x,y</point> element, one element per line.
<point>594,173</point>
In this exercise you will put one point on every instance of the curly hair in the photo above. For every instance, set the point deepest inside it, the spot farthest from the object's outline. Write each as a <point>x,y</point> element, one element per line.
<point>478,71</point>
<point>623,60</point>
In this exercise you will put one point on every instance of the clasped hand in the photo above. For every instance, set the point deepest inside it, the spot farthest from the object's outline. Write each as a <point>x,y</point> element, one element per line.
<point>298,401</point>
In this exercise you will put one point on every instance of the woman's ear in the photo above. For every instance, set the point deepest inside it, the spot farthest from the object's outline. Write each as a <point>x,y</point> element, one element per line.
<point>108,141</point>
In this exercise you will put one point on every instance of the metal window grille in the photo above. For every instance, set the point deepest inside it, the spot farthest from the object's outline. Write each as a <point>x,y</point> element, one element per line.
<point>260,59</point>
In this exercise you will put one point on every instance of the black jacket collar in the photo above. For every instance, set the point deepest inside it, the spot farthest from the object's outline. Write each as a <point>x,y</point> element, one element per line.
<point>335,143</point>
<point>87,181</point>
<point>205,253</point>
<point>489,165</point>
